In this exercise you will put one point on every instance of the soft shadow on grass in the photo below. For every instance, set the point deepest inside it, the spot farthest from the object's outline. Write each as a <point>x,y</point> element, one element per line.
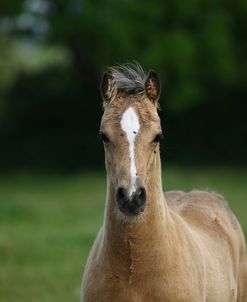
<point>48,224</point>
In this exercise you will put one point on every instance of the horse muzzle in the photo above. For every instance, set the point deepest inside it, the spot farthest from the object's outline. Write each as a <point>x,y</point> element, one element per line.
<point>133,204</point>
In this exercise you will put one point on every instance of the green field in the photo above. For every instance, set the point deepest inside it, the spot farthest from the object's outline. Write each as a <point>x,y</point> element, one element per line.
<point>48,223</point>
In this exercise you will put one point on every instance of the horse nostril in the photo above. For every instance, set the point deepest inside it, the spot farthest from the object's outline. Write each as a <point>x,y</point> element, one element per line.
<point>141,193</point>
<point>121,197</point>
<point>121,194</point>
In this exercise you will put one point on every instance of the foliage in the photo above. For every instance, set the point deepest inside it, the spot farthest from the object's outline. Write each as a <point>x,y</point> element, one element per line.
<point>198,48</point>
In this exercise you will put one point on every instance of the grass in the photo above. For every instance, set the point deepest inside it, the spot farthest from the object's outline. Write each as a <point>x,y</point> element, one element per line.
<point>48,223</point>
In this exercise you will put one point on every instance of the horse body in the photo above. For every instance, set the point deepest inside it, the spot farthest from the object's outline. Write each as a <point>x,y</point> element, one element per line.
<point>184,247</point>
<point>198,256</point>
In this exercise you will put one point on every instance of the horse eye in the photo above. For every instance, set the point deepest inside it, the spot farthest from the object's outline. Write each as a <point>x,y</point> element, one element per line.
<point>103,137</point>
<point>158,137</point>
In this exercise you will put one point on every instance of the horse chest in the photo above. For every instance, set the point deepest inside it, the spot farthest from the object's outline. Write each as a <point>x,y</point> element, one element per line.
<point>151,288</point>
<point>143,288</point>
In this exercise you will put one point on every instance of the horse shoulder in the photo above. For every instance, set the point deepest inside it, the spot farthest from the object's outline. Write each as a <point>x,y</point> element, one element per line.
<point>219,236</point>
<point>207,211</point>
<point>91,276</point>
<point>103,278</point>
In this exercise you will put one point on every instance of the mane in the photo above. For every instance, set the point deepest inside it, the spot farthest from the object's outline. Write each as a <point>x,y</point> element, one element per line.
<point>129,77</point>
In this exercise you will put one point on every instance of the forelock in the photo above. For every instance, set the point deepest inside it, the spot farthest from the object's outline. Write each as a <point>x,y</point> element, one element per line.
<point>129,78</point>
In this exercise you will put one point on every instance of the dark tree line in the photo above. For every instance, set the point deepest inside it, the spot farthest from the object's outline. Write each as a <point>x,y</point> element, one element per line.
<point>49,116</point>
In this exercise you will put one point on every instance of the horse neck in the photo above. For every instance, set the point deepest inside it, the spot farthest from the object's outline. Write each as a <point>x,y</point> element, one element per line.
<point>152,221</point>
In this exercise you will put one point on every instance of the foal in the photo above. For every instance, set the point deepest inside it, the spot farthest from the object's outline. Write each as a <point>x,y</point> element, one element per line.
<point>177,246</point>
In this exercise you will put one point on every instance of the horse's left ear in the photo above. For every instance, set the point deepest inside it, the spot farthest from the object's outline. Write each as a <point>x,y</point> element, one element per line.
<point>153,87</point>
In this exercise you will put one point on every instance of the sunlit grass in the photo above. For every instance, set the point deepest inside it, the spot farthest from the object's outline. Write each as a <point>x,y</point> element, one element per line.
<point>48,223</point>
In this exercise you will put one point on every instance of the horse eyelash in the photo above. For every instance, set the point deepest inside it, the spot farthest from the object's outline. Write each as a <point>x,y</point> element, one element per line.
<point>158,137</point>
<point>103,137</point>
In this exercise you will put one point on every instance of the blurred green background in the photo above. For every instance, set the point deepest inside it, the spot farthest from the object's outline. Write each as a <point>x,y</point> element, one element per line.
<point>49,223</point>
<point>52,55</point>
<point>52,182</point>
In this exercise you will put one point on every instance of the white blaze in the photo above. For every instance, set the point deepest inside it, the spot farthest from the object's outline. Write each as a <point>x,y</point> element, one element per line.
<point>130,125</point>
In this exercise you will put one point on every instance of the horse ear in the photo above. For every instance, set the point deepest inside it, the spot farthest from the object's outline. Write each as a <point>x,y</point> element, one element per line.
<point>106,87</point>
<point>152,87</point>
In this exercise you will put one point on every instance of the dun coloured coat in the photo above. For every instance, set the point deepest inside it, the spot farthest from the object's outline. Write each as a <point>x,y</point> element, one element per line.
<point>156,247</point>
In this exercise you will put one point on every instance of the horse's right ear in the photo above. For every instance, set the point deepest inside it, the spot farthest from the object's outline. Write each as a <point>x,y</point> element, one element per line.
<point>106,87</point>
